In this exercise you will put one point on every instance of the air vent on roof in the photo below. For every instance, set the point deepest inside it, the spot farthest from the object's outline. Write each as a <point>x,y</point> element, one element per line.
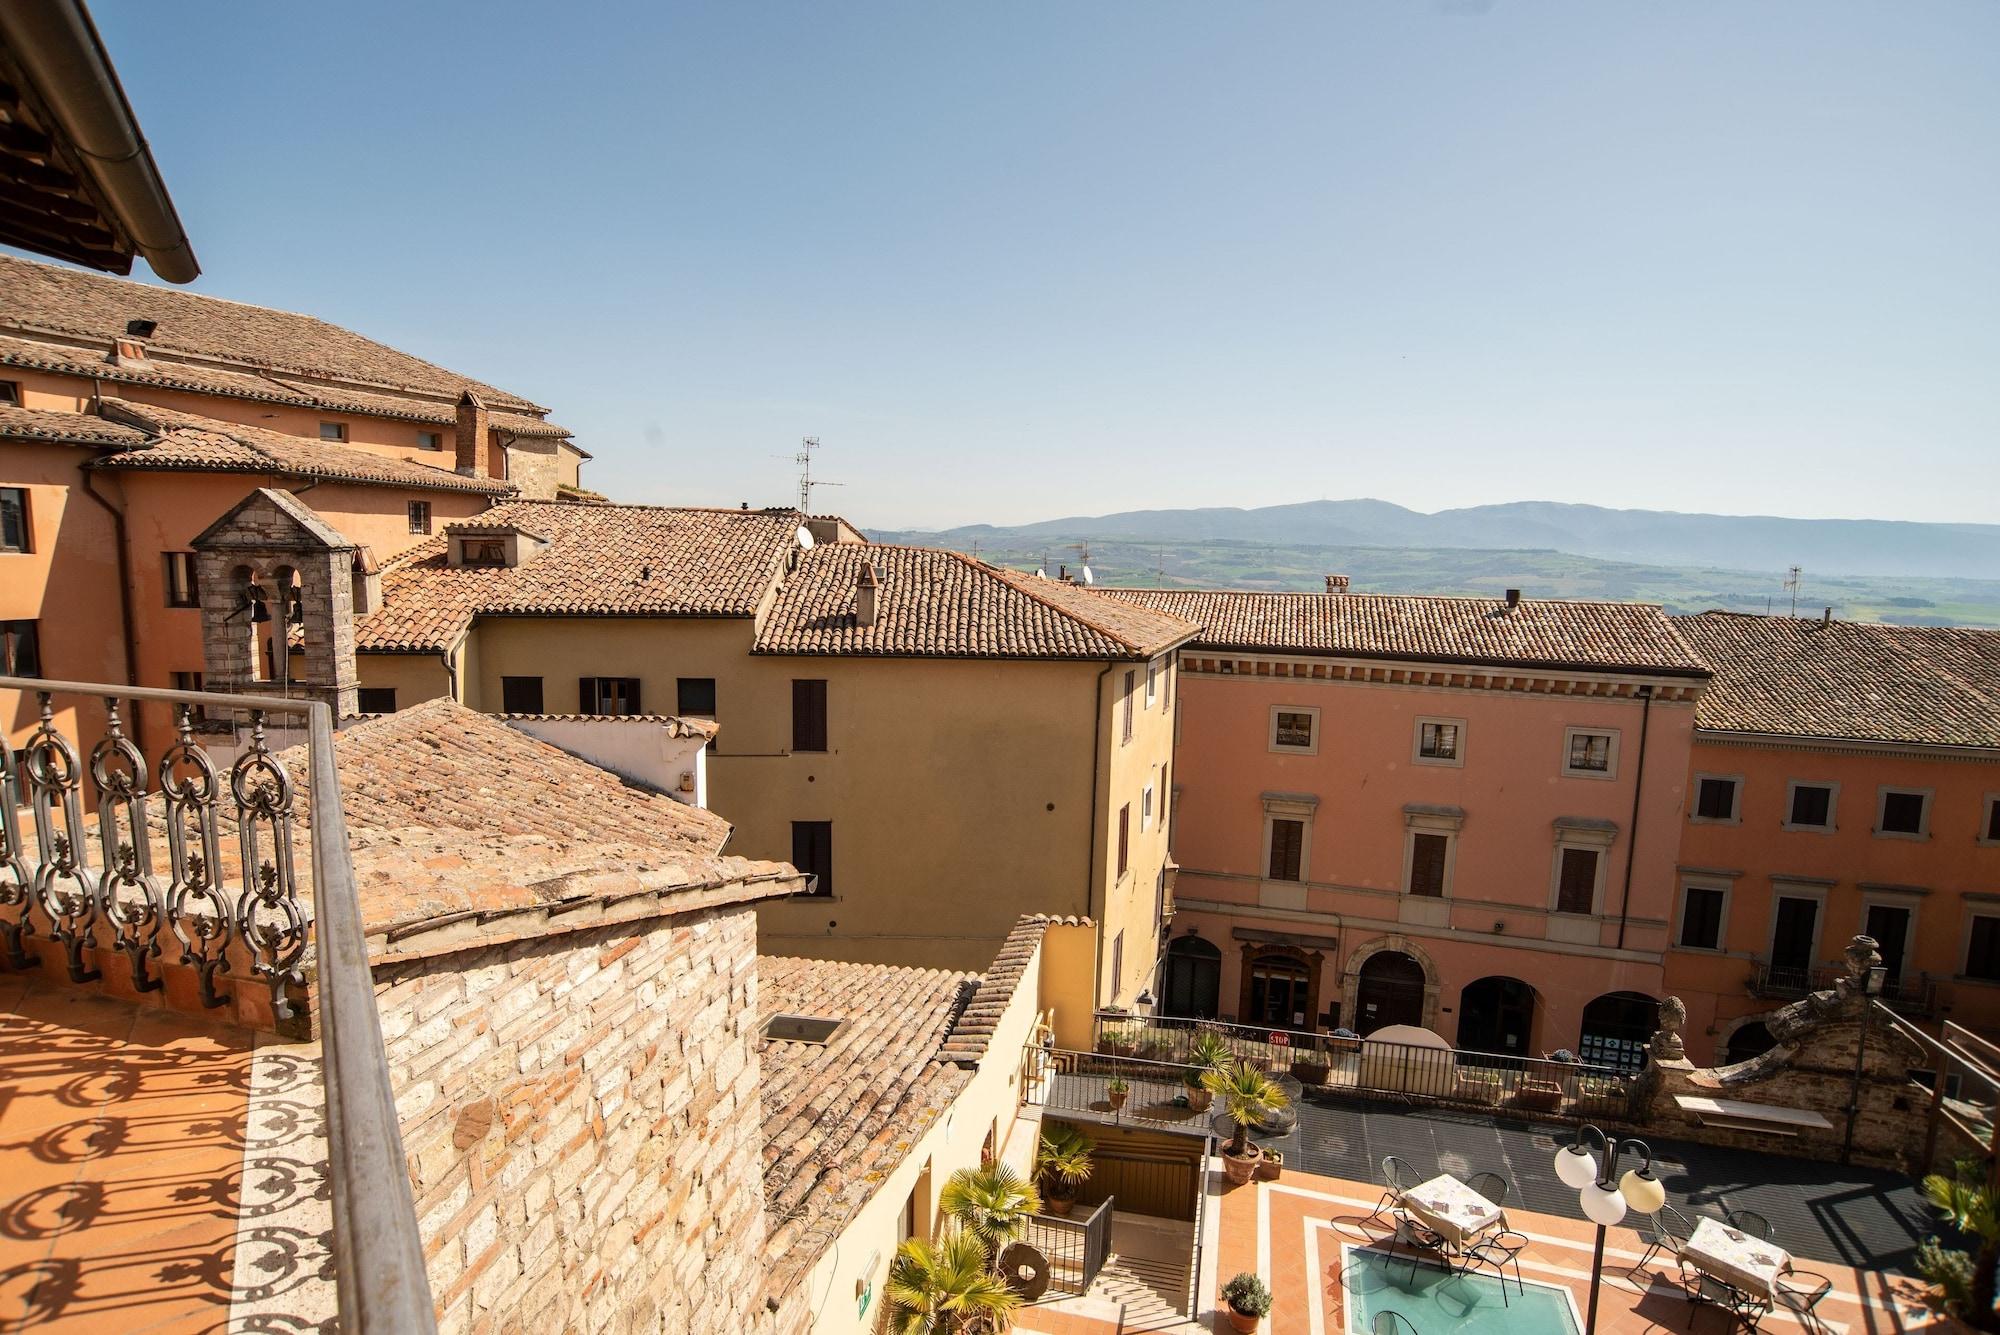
<point>801,1028</point>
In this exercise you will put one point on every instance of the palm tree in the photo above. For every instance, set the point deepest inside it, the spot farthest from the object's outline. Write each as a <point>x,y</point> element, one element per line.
<point>1248,1096</point>
<point>991,1202</point>
<point>945,1288</point>
<point>1967,1202</point>
<point>1063,1162</point>
<point>1210,1051</point>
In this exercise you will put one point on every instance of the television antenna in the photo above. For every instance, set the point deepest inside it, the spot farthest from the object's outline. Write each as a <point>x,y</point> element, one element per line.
<point>804,459</point>
<point>1084,574</point>
<point>1793,581</point>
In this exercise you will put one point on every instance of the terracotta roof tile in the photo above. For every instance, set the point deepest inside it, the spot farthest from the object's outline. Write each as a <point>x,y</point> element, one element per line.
<point>972,1033</point>
<point>1848,680</point>
<point>839,1115</point>
<point>675,725</point>
<point>44,298</point>
<point>602,560</point>
<point>936,603</point>
<point>66,428</point>
<point>1549,633</point>
<point>178,441</point>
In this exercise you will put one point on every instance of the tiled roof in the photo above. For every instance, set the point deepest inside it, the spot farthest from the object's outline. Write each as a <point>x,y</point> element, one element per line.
<point>839,1115</point>
<point>674,724</point>
<point>181,441</point>
<point>66,428</point>
<point>972,1034</point>
<point>1848,680</point>
<point>602,560</point>
<point>452,813</point>
<point>936,603</point>
<point>43,298</point>
<point>1549,633</point>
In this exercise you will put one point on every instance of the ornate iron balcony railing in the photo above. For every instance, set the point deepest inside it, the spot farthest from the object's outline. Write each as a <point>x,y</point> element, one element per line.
<point>1909,994</point>
<point>95,886</point>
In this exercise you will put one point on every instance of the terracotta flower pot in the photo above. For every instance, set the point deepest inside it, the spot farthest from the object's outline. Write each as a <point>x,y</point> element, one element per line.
<point>1240,1169</point>
<point>1272,1164</point>
<point>1059,1206</point>
<point>1312,1072</point>
<point>1199,1099</point>
<point>1243,1321</point>
<point>1118,1097</point>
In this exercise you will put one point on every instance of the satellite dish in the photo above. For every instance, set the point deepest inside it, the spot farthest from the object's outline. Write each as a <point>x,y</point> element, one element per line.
<point>805,537</point>
<point>1088,578</point>
<point>1041,573</point>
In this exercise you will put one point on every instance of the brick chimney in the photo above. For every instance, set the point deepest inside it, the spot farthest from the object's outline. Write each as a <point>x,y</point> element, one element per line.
<point>865,586</point>
<point>473,428</point>
<point>1336,584</point>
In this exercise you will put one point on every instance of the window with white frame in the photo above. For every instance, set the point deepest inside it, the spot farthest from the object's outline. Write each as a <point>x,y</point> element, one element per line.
<point>1152,683</point>
<point>1982,947</point>
<point>1576,879</point>
<point>1989,820</point>
<point>1146,807</point>
<point>1704,915</point>
<point>1295,728</point>
<point>1590,753</point>
<point>1288,835</point>
<point>1440,741</point>
<point>1903,813</point>
<point>1810,805</point>
<point>1716,798</point>
<point>1430,849</point>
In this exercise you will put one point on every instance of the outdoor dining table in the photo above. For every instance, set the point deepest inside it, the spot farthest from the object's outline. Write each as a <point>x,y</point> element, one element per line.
<point>1736,1258</point>
<point>1454,1211</point>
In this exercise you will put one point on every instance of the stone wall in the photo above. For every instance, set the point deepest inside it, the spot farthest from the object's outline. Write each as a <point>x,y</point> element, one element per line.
<point>581,1119</point>
<point>533,466</point>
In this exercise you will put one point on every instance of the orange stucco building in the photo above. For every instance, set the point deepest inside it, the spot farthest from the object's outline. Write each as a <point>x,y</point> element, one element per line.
<point>132,416</point>
<point>1845,778</point>
<point>1456,813</point>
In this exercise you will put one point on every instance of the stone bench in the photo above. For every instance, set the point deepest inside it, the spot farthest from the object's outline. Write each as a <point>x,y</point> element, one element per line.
<point>1733,1115</point>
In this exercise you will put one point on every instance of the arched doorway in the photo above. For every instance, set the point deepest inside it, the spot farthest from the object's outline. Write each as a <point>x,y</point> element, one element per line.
<point>1750,1040</point>
<point>1496,1015</point>
<point>1616,1028</point>
<point>1391,992</point>
<point>1280,991</point>
<point>1193,985</point>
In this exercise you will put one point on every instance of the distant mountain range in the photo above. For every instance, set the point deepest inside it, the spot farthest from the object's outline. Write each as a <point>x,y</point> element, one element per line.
<point>1866,570</point>
<point>1661,537</point>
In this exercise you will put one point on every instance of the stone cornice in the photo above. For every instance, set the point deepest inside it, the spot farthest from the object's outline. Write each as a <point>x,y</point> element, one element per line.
<point>1846,746</point>
<point>1527,680</point>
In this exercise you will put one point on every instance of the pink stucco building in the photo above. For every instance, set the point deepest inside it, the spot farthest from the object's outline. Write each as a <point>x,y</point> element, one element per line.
<point>1454,812</point>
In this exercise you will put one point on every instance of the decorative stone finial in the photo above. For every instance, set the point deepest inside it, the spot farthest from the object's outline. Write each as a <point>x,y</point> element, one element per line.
<point>1667,1044</point>
<point>1862,954</point>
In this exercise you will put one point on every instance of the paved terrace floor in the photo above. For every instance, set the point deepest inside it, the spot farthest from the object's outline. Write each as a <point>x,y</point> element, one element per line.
<point>157,1172</point>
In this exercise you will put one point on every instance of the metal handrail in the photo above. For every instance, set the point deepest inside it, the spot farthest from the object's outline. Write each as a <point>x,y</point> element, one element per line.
<point>380,1278</point>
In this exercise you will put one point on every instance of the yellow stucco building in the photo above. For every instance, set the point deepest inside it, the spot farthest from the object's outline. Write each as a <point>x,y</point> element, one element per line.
<point>945,745</point>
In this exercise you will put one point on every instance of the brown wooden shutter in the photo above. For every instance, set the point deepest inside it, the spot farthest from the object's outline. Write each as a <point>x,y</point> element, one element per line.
<point>1287,848</point>
<point>808,715</point>
<point>1124,837</point>
<point>1577,892</point>
<point>586,695</point>
<point>1427,864</point>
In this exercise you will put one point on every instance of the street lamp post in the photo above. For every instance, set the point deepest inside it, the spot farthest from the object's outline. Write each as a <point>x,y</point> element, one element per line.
<point>1871,989</point>
<point>1603,1195</point>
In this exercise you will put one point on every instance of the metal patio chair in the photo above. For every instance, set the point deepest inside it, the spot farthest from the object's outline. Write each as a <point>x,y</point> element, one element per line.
<point>1399,1177</point>
<point>1392,1323</point>
<point>1498,1251</point>
<point>1490,1185</point>
<point>1665,1230</point>
<point>1749,1221</point>
<point>1798,1292</point>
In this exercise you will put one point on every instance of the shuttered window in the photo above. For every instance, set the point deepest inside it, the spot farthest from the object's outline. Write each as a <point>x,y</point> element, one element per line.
<point>1124,838</point>
<point>1427,853</point>
<point>521,695</point>
<point>1288,843</point>
<point>608,695</point>
<point>1577,890</point>
<point>808,714</point>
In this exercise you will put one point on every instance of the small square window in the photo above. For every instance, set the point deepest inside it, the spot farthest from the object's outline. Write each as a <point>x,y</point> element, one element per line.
<point>182,588</point>
<point>1903,811</point>
<point>420,516</point>
<point>1440,741</point>
<point>1715,799</point>
<point>521,695</point>
<point>1294,728</point>
<point>333,431</point>
<point>15,535</point>
<point>10,393</point>
<point>1812,806</point>
<point>430,440</point>
<point>1589,752</point>
<point>20,649</point>
<point>376,699</point>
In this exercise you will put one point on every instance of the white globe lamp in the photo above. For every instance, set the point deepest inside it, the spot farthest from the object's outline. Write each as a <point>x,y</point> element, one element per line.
<point>1642,1191</point>
<point>1602,1205</point>
<point>1576,1166</point>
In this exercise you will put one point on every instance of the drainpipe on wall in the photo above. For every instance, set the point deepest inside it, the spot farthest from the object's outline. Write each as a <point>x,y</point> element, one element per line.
<point>1638,786</point>
<point>1094,864</point>
<point>124,598</point>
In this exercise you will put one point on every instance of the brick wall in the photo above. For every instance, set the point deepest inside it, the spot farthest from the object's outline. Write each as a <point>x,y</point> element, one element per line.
<point>580,1114</point>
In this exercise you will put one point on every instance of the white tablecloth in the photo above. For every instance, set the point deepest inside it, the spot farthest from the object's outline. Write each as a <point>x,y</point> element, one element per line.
<point>1751,1264</point>
<point>1454,1210</point>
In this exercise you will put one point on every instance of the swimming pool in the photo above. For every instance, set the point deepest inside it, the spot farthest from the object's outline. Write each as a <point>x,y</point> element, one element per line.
<point>1438,1302</point>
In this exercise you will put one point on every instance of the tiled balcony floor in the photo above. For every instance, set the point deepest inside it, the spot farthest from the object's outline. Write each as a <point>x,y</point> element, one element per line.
<point>127,1201</point>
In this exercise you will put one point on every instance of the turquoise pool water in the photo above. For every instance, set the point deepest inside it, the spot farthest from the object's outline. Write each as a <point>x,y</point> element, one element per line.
<point>1440,1303</point>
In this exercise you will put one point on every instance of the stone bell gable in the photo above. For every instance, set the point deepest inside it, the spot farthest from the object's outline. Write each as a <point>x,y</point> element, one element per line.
<point>268,566</point>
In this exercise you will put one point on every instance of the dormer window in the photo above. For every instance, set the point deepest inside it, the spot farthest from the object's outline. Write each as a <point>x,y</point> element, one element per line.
<point>493,545</point>
<point>482,551</point>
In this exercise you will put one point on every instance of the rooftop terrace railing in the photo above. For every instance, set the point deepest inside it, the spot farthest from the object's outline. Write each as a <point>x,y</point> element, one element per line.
<point>1910,994</point>
<point>66,883</point>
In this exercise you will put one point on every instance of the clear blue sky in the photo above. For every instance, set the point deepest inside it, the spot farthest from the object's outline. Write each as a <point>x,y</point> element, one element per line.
<point>1017,260</point>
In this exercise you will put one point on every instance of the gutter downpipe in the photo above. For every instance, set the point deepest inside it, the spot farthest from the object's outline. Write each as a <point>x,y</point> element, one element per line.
<point>124,596</point>
<point>1638,786</point>
<point>59,49</point>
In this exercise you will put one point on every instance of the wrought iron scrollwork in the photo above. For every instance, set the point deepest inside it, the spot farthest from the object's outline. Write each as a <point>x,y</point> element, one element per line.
<point>65,888</point>
<point>17,883</point>
<point>267,909</point>
<point>131,899</point>
<point>197,907</point>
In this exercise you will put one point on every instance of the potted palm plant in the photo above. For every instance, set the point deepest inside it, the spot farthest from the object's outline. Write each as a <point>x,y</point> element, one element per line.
<point>1117,1091</point>
<point>947,1287</point>
<point>1210,1052</point>
<point>1063,1162</point>
<point>991,1202</point>
<point>1247,1301</point>
<point>1248,1096</point>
